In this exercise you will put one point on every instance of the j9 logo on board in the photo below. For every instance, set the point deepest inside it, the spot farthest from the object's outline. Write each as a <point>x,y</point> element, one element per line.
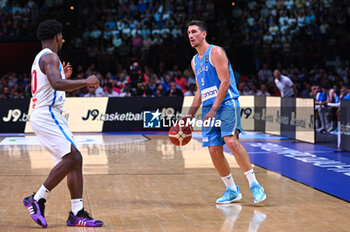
<point>94,114</point>
<point>15,115</point>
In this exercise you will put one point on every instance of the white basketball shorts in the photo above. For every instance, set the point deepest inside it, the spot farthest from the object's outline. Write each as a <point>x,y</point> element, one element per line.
<point>52,130</point>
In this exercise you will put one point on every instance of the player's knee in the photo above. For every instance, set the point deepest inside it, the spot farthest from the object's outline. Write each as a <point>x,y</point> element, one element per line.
<point>75,159</point>
<point>78,159</point>
<point>215,153</point>
<point>232,143</point>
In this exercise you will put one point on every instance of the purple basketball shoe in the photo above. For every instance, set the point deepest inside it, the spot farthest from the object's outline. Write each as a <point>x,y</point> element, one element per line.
<point>36,209</point>
<point>83,219</point>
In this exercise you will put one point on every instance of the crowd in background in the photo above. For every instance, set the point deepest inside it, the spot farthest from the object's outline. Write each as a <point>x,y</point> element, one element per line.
<point>144,81</point>
<point>140,47</point>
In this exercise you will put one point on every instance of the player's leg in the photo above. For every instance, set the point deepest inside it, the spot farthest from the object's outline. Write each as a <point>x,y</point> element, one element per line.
<point>243,160</point>
<point>230,128</point>
<point>212,139</point>
<point>78,216</point>
<point>219,160</point>
<point>36,202</point>
<point>67,164</point>
<point>232,193</point>
<point>75,179</point>
<point>240,153</point>
<point>52,136</point>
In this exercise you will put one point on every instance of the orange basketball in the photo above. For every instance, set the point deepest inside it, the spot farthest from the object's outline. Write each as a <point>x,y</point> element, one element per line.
<point>180,136</point>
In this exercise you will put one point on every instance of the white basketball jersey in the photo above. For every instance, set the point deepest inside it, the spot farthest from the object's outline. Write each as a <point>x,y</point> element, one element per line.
<point>42,93</point>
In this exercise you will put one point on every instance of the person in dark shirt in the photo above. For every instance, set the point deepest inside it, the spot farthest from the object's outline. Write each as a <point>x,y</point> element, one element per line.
<point>173,90</point>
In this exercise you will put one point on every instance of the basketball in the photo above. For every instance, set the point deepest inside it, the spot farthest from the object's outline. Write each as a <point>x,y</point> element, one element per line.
<point>180,136</point>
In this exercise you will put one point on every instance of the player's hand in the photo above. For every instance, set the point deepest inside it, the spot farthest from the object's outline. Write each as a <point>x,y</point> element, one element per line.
<point>210,115</point>
<point>93,81</point>
<point>186,121</point>
<point>68,70</point>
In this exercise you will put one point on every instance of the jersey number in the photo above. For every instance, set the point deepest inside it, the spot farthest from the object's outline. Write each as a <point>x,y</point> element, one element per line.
<point>34,82</point>
<point>202,81</point>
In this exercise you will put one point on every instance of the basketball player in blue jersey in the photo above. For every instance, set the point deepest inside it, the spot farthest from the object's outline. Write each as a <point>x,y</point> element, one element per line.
<point>218,94</point>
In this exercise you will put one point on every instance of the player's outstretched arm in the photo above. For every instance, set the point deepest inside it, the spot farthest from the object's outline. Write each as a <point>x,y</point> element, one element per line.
<point>49,65</point>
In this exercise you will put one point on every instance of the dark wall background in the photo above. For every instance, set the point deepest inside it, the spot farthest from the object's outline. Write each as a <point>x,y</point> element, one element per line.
<point>18,57</point>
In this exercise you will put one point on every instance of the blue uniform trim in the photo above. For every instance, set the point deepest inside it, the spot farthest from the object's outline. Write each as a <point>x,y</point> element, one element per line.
<point>58,124</point>
<point>42,56</point>
<point>54,98</point>
<point>336,98</point>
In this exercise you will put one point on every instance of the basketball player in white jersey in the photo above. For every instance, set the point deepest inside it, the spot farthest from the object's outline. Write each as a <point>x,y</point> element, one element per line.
<point>49,84</point>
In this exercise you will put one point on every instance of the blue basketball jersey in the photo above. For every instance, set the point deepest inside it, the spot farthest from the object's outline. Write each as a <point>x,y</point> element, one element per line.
<point>208,79</point>
<point>336,98</point>
<point>347,96</point>
<point>322,96</point>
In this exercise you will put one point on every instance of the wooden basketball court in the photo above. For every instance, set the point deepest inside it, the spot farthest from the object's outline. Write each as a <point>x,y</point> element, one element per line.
<point>144,183</point>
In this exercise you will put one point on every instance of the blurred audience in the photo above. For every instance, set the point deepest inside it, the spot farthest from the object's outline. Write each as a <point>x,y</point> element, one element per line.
<point>107,36</point>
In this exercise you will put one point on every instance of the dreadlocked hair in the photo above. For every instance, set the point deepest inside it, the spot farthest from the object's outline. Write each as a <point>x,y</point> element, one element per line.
<point>48,29</point>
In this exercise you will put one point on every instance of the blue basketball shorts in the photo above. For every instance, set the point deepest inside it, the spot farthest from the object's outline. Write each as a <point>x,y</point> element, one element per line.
<point>230,116</point>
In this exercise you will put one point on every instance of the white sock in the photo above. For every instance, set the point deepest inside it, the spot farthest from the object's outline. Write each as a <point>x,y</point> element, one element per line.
<point>251,177</point>
<point>43,192</point>
<point>77,205</point>
<point>228,180</point>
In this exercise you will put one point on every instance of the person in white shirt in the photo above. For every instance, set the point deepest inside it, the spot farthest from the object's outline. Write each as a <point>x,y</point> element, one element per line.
<point>110,91</point>
<point>49,84</point>
<point>284,84</point>
<point>120,25</point>
<point>126,30</point>
<point>273,29</point>
<point>289,4</point>
<point>270,3</point>
<point>301,18</point>
<point>165,32</point>
<point>100,92</point>
<point>284,27</point>
<point>95,33</point>
<point>283,18</point>
<point>255,91</point>
<point>268,39</point>
<point>250,20</point>
<point>176,31</point>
